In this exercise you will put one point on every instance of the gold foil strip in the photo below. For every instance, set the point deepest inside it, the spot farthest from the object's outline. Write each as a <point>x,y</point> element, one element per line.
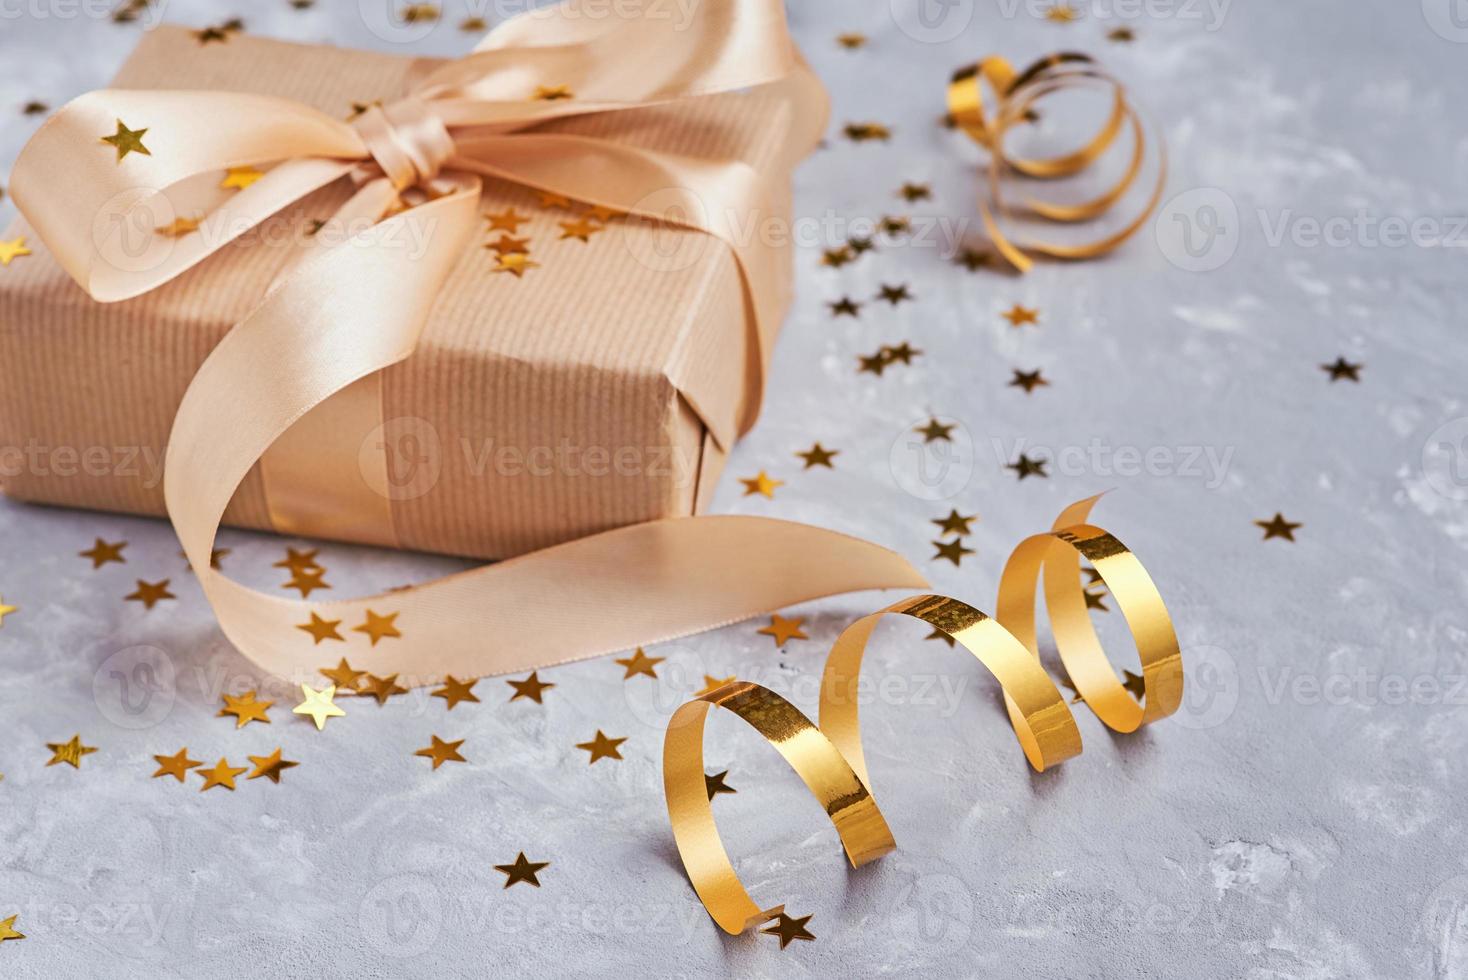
<point>1015,96</point>
<point>829,757</point>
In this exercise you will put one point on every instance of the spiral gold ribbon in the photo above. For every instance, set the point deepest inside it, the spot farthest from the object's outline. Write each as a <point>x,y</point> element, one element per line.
<point>1015,96</point>
<point>829,757</point>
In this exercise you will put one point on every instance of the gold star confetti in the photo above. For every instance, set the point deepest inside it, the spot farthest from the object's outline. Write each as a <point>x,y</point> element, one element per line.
<point>211,34</point>
<point>379,627</point>
<point>1095,600</point>
<point>302,4</point>
<point>761,484</point>
<point>894,224</point>
<point>515,263</point>
<point>553,93</point>
<point>1343,370</point>
<point>550,199</point>
<point>307,581</point>
<point>788,929</point>
<point>861,132</point>
<point>1062,13</point>
<point>298,561</point>
<point>6,610</point>
<point>382,688</point>
<point>358,108</point>
<point>319,705</point>
<point>903,353</point>
<point>506,220</point>
<point>973,259</point>
<point>851,41</point>
<point>180,227</point>
<point>509,245</point>
<point>1028,380</point>
<point>580,229</point>
<point>912,193</point>
<point>7,929</point>
<point>1025,466</point>
<point>1136,684</point>
<point>783,630</point>
<point>817,455</point>
<point>522,870</point>
<point>1018,316</point>
<point>150,593</point>
<point>12,250</point>
<point>127,141</point>
<point>177,765</point>
<point>473,24</point>
<point>240,177</point>
<point>343,675</point>
<point>440,751</point>
<point>602,747</point>
<point>602,213</point>
<point>955,523</point>
<point>419,13</point>
<point>245,709</point>
<point>34,108</point>
<point>873,363</point>
<point>953,550</point>
<point>1278,527</point>
<point>215,554</point>
<point>715,784</point>
<point>639,663</point>
<point>894,294</point>
<point>860,246</point>
<point>845,306</point>
<point>531,687</point>
<point>835,258</point>
<point>936,430</point>
<point>454,692</point>
<point>322,629</point>
<point>1121,35</point>
<point>712,684</point>
<point>69,752</point>
<point>223,774</point>
<point>270,766</point>
<point>102,552</point>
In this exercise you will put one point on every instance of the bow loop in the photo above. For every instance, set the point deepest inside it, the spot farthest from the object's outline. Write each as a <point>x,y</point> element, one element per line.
<point>407,140</point>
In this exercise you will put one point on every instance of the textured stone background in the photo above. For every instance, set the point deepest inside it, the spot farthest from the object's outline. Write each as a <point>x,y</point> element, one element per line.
<point>1302,817</point>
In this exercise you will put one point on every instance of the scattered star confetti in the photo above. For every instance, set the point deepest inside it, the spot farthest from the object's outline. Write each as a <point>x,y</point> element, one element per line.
<point>861,132</point>
<point>322,629</point>
<point>902,353</point>
<point>860,246</point>
<point>1062,14</point>
<point>712,684</point>
<point>127,141</point>
<point>955,523</point>
<point>522,870</point>
<point>297,561</point>
<point>509,245</point>
<point>602,747</point>
<point>911,192</point>
<point>34,108</point>
<point>150,593</point>
<point>343,675</point>
<point>319,705</point>
<point>761,484</point>
<point>580,229</point>
<point>1343,370</point>
<point>936,430</point>
<point>515,263</point>
<point>379,627</point>
<point>1095,600</point>
<point>894,294</point>
<point>845,306</point>
<point>1121,35</point>
<point>8,931</point>
<point>419,13</point>
<point>715,784</point>
<point>440,751</point>
<point>639,663</point>
<point>245,709</point>
<point>550,199</point>
<point>953,550</point>
<point>973,259</point>
<point>894,224</point>
<point>69,752</point>
<point>270,766</point>
<point>783,630</point>
<point>506,220</point>
<point>1025,466</point>
<point>851,41</point>
<point>6,610</point>
<point>788,929</point>
<point>102,552</point>
<point>180,227</point>
<point>873,363</point>
<point>1028,380</point>
<point>1136,684</point>
<point>1019,315</point>
<point>602,213</point>
<point>836,257</point>
<point>553,93</point>
<point>307,581</point>
<point>455,692</point>
<point>176,765</point>
<point>382,688</point>
<point>12,250</point>
<point>223,774</point>
<point>473,24</point>
<point>531,687</point>
<point>211,34</point>
<point>1278,527</point>
<point>818,455</point>
<point>240,177</point>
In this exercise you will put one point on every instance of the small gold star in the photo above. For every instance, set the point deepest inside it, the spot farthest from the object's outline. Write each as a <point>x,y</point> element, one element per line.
<point>1027,467</point>
<point>307,581</point>
<point>602,747</point>
<point>245,709</point>
<point>973,259</point>
<point>851,41</point>
<point>531,687</point>
<point>783,630</point>
<point>911,192</point>
<point>358,108</point>
<point>835,258</point>
<point>515,263</point>
<point>861,132</point>
<point>7,929</point>
<point>1095,600</point>
<point>1028,380</point>
<point>240,177</point>
<point>34,108</point>
<point>715,784</point>
<point>419,13</point>
<point>177,766</point>
<point>102,552</point>
<point>209,34</point>
<point>1278,527</point>
<point>845,306</point>
<point>382,688</point>
<point>639,663</point>
<point>12,250</point>
<point>127,141</point>
<point>936,430</point>
<point>69,752</point>
<point>550,199</point>
<point>6,610</point>
<point>712,684</point>
<point>860,246</point>
<point>1121,34</point>
<point>1136,684</point>
<point>319,705</point>
<point>894,225</point>
<point>1343,370</point>
<point>455,691</point>
<point>553,93</point>
<point>873,363</point>
<point>894,294</point>
<point>953,550</point>
<point>180,227</point>
<point>440,751</point>
<point>1062,14</point>
<point>506,220</point>
<point>788,929</point>
<point>473,24</point>
<point>150,593</point>
<point>761,484</point>
<point>508,245</point>
<point>215,554</point>
<point>322,629</point>
<point>298,561</point>
<point>955,523</point>
<point>580,229</point>
<point>817,455</point>
<point>343,675</point>
<point>270,766</point>
<point>1018,315</point>
<point>602,213</point>
<point>522,870</point>
<point>379,627</point>
<point>902,353</point>
<point>302,4</point>
<point>223,774</point>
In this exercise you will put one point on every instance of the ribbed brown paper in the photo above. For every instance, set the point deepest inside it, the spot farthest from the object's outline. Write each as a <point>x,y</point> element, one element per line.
<point>534,411</point>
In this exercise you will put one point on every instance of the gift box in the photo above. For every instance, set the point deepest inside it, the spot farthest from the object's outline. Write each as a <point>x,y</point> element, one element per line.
<point>602,388</point>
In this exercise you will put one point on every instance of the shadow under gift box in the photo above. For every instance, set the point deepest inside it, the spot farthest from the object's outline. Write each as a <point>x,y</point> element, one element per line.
<point>601,389</point>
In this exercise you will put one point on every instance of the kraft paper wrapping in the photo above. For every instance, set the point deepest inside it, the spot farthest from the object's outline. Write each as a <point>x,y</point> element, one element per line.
<point>535,410</point>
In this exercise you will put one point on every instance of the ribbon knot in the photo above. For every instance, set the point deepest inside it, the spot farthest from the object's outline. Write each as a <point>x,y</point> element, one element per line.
<point>407,140</point>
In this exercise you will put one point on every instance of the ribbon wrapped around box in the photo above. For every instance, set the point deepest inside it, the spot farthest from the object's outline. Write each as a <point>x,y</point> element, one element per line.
<point>344,347</point>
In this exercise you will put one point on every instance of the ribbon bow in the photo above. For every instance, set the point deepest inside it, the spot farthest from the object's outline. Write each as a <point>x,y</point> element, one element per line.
<point>339,313</point>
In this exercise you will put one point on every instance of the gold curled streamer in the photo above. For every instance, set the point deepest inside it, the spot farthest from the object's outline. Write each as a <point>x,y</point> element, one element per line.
<point>829,757</point>
<point>1015,96</point>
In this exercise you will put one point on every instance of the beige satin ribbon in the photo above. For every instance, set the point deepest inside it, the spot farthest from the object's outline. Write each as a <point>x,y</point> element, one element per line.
<point>340,313</point>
